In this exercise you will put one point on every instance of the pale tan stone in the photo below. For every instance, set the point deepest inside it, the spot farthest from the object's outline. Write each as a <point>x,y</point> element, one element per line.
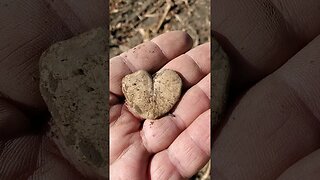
<point>151,98</point>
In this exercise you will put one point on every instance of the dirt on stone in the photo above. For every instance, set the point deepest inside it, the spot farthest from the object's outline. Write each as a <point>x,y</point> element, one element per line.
<point>151,97</point>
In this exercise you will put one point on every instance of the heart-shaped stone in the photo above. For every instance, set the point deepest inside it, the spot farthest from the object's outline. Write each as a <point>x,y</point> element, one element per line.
<point>73,83</point>
<point>151,97</point>
<point>220,81</point>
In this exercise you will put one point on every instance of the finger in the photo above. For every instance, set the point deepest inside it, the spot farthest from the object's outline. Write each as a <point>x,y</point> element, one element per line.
<point>260,37</point>
<point>21,43</point>
<point>274,124</point>
<point>81,16</point>
<point>149,56</point>
<point>123,127</point>
<point>300,16</point>
<point>158,135</point>
<point>306,168</point>
<point>125,145</point>
<point>115,112</point>
<point>113,100</point>
<point>193,65</point>
<point>12,121</point>
<point>51,164</point>
<point>187,154</point>
<point>18,157</point>
<point>23,39</point>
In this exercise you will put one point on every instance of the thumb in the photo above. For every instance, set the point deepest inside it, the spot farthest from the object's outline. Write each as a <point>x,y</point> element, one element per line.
<point>306,168</point>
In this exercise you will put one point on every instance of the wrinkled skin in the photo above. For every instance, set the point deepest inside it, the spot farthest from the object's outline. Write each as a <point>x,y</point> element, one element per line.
<point>27,29</point>
<point>177,145</point>
<point>272,127</point>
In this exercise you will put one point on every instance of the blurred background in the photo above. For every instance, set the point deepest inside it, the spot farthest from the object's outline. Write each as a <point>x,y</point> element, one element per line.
<point>133,22</point>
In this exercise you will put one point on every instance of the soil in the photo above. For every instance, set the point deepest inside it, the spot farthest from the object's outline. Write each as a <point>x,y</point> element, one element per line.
<point>133,22</point>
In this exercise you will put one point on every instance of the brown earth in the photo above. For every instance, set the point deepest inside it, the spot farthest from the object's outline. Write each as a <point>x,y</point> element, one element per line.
<point>132,22</point>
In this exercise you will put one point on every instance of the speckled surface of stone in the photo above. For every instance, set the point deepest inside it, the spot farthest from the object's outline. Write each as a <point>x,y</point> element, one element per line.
<point>151,97</point>
<point>73,83</point>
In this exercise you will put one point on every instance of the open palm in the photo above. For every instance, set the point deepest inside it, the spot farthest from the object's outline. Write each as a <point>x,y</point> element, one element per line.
<point>177,145</point>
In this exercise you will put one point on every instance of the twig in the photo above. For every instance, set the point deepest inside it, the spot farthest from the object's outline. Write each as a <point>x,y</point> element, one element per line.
<point>167,9</point>
<point>186,2</point>
<point>144,34</point>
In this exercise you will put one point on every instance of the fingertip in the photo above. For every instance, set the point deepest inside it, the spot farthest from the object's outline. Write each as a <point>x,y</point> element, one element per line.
<point>173,43</point>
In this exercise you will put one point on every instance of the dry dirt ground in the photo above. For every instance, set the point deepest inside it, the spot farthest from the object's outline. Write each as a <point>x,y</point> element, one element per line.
<point>135,21</point>
<point>132,21</point>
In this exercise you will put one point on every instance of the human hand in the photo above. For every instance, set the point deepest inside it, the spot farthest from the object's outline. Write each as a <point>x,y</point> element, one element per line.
<point>175,146</point>
<point>27,29</point>
<point>271,129</point>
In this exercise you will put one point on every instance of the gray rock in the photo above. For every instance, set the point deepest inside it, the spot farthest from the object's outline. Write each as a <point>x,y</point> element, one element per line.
<point>73,83</point>
<point>220,81</point>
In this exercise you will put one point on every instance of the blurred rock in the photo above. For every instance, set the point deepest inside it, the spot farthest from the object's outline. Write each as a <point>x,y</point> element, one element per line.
<point>73,83</point>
